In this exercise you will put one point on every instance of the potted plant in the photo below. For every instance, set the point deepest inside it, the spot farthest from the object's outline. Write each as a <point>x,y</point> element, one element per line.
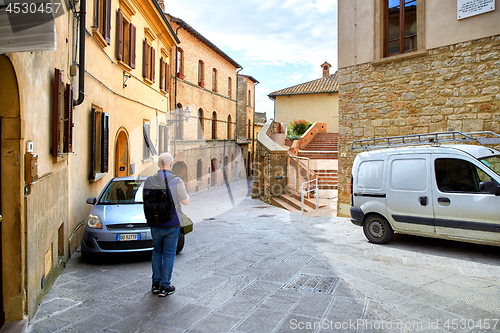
<point>312,192</point>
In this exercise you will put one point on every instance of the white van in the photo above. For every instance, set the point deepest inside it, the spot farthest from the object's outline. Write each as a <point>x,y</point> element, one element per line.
<point>433,190</point>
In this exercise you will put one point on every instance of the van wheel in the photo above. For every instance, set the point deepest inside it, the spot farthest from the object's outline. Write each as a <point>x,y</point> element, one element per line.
<point>377,229</point>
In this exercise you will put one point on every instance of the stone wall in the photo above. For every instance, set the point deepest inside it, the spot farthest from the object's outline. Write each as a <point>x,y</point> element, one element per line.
<point>270,168</point>
<point>456,87</point>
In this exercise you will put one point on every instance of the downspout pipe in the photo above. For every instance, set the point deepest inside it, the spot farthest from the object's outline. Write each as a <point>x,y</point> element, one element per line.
<point>253,122</point>
<point>81,61</point>
<point>237,98</point>
<point>175,88</point>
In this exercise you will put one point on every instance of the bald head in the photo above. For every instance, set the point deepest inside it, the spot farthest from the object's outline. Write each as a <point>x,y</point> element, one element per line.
<point>165,161</point>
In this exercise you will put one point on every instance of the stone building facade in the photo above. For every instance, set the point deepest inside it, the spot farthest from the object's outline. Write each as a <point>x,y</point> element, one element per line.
<point>450,80</point>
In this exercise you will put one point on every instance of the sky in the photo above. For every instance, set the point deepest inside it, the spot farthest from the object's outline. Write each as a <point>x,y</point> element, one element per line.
<point>281,43</point>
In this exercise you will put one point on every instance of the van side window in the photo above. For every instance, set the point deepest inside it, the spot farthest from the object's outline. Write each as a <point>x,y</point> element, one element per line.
<point>455,175</point>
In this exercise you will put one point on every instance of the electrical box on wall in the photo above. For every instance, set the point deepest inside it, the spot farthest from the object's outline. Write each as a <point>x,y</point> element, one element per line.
<point>31,167</point>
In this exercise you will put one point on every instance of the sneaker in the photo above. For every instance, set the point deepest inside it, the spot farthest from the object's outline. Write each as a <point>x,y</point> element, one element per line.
<point>164,291</point>
<point>155,288</point>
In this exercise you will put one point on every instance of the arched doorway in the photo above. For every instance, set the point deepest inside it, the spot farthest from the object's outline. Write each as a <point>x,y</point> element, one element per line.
<point>12,218</point>
<point>180,169</point>
<point>121,155</point>
<point>213,171</point>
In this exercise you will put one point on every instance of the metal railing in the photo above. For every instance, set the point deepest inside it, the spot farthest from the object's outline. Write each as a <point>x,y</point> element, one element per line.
<point>302,167</point>
<point>483,138</point>
<point>308,190</point>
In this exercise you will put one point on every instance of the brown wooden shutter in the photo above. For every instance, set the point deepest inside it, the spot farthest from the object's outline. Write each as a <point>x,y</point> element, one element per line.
<point>107,21</point>
<point>68,120</point>
<point>167,77</point>
<point>105,143</point>
<point>145,59</point>
<point>119,35</point>
<point>93,143</point>
<point>133,34</point>
<point>56,114</point>
<point>152,64</point>
<point>161,148</point>
<point>162,75</point>
<point>97,11</point>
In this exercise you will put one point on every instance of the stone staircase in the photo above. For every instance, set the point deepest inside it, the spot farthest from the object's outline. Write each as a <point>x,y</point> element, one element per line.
<point>323,146</point>
<point>291,202</point>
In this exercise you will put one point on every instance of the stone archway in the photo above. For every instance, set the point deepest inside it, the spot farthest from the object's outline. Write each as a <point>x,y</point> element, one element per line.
<point>13,221</point>
<point>180,169</point>
<point>122,154</point>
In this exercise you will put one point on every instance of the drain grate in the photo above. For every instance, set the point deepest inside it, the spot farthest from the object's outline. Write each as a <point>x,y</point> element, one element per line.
<point>209,219</point>
<point>265,215</point>
<point>312,283</point>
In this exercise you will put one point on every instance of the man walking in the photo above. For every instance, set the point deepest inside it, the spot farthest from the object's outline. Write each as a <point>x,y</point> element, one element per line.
<point>162,218</point>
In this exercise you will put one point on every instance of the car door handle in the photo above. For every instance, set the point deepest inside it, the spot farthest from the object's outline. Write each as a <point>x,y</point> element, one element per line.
<point>444,200</point>
<point>423,200</point>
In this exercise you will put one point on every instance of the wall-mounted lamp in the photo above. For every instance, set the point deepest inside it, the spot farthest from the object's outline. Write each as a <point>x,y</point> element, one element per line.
<point>126,76</point>
<point>186,112</point>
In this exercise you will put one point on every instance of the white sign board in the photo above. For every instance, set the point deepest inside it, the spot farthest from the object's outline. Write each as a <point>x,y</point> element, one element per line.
<point>468,8</point>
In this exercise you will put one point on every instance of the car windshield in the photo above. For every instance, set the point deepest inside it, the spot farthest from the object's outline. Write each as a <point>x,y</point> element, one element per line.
<point>122,192</point>
<point>492,162</point>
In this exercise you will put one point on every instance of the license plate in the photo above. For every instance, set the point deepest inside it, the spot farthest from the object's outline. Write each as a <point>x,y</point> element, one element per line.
<point>128,237</point>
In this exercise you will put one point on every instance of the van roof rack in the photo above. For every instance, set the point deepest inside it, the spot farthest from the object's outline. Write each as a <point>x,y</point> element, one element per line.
<point>435,139</point>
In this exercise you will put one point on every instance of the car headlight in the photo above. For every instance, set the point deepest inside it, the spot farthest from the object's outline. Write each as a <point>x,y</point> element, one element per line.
<point>94,221</point>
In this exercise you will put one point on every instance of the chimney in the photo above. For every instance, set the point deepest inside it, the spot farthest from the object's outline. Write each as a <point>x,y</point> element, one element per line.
<point>326,69</point>
<point>162,5</point>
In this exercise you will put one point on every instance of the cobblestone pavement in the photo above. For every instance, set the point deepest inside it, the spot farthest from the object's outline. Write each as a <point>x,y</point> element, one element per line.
<point>251,267</point>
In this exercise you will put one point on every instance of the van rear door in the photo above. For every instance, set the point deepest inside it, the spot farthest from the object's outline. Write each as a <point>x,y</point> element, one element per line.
<point>460,209</point>
<point>409,204</point>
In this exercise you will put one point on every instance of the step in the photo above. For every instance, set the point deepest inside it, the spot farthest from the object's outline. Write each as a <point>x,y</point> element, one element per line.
<point>279,202</point>
<point>311,202</point>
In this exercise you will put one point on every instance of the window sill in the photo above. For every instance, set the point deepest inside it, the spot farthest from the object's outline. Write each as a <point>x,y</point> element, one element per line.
<point>98,176</point>
<point>61,157</point>
<point>399,57</point>
<point>124,65</point>
<point>148,81</point>
<point>98,37</point>
<point>147,160</point>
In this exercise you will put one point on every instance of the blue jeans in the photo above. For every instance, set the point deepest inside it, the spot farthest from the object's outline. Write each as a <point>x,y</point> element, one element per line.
<point>164,248</point>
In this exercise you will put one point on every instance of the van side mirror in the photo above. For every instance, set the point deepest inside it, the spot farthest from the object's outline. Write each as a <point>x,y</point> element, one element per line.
<point>91,201</point>
<point>489,187</point>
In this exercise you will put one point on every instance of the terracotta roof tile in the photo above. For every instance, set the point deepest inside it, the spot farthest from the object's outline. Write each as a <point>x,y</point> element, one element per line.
<point>323,85</point>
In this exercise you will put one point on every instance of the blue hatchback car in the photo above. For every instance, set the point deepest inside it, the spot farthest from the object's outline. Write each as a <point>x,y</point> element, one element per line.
<point>116,223</point>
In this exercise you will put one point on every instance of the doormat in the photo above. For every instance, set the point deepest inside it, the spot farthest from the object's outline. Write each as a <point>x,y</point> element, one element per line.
<point>313,283</point>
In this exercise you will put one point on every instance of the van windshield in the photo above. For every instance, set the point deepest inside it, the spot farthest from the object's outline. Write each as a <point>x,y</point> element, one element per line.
<point>492,162</point>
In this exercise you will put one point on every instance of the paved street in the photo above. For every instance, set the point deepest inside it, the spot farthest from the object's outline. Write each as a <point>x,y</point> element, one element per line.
<point>251,267</point>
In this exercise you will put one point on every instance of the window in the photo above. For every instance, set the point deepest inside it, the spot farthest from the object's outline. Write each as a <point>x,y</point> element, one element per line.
<point>126,39</point>
<point>162,139</point>
<point>249,98</point>
<point>400,26</point>
<point>62,136</point>
<point>102,22</point>
<point>455,175</point>
<point>229,87</point>
<point>249,129</point>
<point>100,143</point>
<point>148,147</point>
<point>214,125</point>
<point>201,73</point>
<point>164,75</point>
<point>180,63</point>
<point>214,80</point>
<point>200,127</point>
<point>199,166</point>
<point>148,62</point>
<point>229,127</point>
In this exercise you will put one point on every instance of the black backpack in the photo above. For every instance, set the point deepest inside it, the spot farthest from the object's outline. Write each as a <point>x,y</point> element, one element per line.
<point>158,203</point>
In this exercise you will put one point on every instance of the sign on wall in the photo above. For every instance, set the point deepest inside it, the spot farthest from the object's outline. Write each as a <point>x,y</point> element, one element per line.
<point>468,8</point>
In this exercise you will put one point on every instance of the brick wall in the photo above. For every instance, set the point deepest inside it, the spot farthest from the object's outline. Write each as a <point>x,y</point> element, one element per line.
<point>456,87</point>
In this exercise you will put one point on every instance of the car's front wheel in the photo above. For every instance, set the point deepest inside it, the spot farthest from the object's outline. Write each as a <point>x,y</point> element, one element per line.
<point>180,243</point>
<point>377,229</point>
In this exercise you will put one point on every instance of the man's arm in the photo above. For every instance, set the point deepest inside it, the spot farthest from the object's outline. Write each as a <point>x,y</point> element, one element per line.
<point>181,192</point>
